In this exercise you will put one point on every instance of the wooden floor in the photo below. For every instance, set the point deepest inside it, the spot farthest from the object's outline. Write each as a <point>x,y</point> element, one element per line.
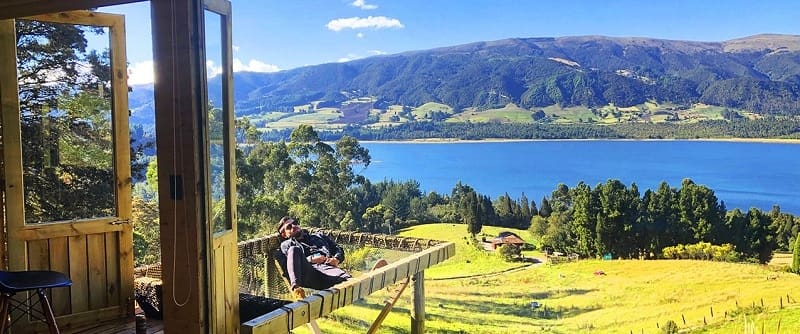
<point>120,327</point>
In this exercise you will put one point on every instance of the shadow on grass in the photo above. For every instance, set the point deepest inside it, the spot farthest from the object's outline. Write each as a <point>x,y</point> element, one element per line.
<point>530,260</point>
<point>559,293</point>
<point>450,314</point>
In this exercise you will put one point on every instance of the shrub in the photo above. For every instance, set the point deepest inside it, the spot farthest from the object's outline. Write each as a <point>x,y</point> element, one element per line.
<point>701,251</point>
<point>361,258</point>
<point>508,252</point>
<point>670,327</point>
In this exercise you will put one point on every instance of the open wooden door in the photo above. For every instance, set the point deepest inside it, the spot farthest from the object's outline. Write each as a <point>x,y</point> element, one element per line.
<point>220,169</point>
<point>67,178</point>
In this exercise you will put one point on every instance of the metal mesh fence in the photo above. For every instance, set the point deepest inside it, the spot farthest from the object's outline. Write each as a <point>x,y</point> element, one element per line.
<point>262,287</point>
<point>260,275</point>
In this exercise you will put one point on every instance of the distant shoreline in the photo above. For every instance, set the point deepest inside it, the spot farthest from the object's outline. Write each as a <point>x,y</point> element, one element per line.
<point>500,140</point>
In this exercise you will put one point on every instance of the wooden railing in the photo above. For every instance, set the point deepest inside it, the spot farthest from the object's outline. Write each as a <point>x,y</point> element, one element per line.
<point>282,320</point>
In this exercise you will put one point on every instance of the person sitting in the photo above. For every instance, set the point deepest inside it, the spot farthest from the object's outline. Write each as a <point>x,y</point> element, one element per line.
<point>312,259</point>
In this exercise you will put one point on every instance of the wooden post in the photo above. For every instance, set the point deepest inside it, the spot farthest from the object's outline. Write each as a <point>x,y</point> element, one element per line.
<point>9,106</point>
<point>418,303</point>
<point>179,92</point>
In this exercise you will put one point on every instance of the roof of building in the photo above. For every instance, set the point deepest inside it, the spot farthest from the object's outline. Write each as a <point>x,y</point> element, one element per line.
<point>507,238</point>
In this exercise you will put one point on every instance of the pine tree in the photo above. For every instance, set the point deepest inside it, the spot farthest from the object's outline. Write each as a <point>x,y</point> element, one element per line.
<point>796,254</point>
<point>545,210</point>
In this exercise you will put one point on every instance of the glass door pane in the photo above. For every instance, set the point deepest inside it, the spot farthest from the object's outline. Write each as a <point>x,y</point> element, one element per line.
<point>217,116</point>
<point>66,120</point>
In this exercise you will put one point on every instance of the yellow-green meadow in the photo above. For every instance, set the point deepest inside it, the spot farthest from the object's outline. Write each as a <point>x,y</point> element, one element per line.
<point>477,292</point>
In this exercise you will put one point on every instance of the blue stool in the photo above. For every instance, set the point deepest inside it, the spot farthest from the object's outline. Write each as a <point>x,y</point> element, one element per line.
<point>12,282</point>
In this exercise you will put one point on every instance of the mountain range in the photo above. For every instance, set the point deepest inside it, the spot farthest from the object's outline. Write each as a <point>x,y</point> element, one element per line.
<point>760,74</point>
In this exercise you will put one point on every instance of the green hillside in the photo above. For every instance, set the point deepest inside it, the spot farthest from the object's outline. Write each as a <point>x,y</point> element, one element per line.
<point>478,81</point>
<point>631,295</point>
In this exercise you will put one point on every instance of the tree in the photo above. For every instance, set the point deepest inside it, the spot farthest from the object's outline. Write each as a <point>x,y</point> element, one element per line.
<point>145,221</point>
<point>584,218</point>
<point>796,255</point>
<point>525,209</point>
<point>614,219</point>
<point>306,178</point>
<point>538,115</point>
<point>700,211</point>
<point>45,49</point>
<point>504,208</point>
<point>373,219</point>
<point>784,226</point>
<point>469,208</point>
<point>509,252</point>
<point>545,210</point>
<point>66,123</point>
<point>758,236</point>
<point>561,200</point>
<point>661,218</point>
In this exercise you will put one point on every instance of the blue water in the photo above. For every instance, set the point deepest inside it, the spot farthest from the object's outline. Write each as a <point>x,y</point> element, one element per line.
<point>742,175</point>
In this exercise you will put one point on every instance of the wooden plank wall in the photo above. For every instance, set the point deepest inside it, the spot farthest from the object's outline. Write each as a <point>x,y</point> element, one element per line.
<point>92,262</point>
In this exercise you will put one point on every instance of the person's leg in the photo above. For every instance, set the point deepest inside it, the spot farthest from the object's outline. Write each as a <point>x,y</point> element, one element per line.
<point>303,274</point>
<point>325,276</point>
<point>297,267</point>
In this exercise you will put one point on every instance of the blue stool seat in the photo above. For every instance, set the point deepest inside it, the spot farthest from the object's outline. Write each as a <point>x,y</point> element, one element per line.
<point>12,282</point>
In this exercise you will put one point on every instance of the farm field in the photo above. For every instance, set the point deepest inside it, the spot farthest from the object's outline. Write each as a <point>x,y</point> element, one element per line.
<point>575,297</point>
<point>508,114</point>
<point>335,117</point>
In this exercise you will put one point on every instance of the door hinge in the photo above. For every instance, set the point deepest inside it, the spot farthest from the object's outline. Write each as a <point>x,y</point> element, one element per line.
<point>120,222</point>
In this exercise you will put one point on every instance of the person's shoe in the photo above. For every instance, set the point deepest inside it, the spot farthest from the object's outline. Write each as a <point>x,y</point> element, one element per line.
<point>380,263</point>
<point>299,293</point>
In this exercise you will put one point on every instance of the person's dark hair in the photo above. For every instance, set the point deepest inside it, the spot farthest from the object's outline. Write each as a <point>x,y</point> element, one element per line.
<point>282,223</point>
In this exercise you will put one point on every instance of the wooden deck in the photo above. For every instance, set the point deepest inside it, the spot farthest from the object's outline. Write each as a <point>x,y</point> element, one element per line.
<point>121,327</point>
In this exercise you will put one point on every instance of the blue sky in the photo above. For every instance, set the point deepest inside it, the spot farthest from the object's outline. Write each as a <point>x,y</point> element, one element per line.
<point>271,35</point>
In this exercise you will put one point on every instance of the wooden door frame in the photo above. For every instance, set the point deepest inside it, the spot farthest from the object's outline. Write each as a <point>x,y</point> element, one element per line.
<point>223,257</point>
<point>19,235</point>
<point>178,97</point>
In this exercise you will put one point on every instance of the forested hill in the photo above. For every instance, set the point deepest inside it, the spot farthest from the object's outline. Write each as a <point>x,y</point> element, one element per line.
<point>758,73</point>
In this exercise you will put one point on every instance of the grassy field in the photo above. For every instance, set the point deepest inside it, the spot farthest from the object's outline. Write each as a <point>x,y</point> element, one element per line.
<point>331,118</point>
<point>511,113</point>
<point>421,111</point>
<point>320,119</point>
<point>631,295</point>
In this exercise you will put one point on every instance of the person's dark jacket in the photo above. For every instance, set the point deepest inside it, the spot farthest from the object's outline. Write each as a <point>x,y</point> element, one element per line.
<point>316,243</point>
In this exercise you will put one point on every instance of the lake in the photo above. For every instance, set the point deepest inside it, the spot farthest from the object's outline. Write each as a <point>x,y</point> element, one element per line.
<point>742,174</point>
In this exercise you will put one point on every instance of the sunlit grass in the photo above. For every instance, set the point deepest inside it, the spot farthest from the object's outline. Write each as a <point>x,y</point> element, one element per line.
<point>319,119</point>
<point>633,295</point>
<point>570,114</point>
<point>419,112</point>
<point>511,113</point>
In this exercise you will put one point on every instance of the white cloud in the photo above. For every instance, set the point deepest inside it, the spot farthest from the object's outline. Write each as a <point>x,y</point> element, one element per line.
<point>375,22</point>
<point>253,66</point>
<point>212,69</point>
<point>141,73</point>
<point>349,57</point>
<point>363,5</point>
<point>353,56</point>
<point>235,48</point>
<point>360,35</point>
